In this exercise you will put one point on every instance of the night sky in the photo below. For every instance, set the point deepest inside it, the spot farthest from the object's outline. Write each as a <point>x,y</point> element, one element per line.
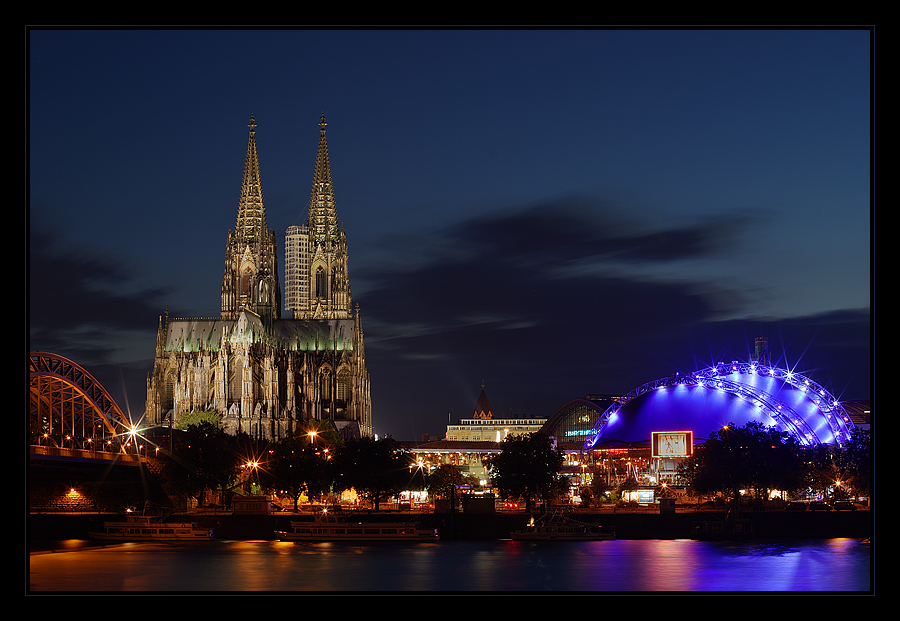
<point>551,213</point>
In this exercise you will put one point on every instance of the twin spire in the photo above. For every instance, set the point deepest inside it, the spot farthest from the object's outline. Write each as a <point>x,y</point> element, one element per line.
<point>251,218</point>
<point>317,282</point>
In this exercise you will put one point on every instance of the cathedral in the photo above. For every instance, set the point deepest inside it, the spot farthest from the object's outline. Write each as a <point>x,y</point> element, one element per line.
<point>267,375</point>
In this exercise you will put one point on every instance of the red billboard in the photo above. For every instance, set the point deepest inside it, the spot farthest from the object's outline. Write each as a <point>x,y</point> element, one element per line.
<point>672,443</point>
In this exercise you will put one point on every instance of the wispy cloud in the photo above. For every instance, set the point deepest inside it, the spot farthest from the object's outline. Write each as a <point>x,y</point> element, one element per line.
<point>547,303</point>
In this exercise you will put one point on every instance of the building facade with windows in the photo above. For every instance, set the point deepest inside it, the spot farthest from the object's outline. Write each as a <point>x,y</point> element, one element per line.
<point>483,427</point>
<point>296,268</point>
<point>492,430</point>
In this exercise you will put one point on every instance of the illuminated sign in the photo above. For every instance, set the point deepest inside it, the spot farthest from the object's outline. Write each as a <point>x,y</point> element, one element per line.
<point>672,443</point>
<point>641,496</point>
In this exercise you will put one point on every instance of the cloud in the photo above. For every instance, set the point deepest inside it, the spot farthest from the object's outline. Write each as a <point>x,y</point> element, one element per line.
<point>521,268</point>
<point>94,309</point>
<point>70,288</point>
<point>507,299</point>
<point>576,229</point>
<point>543,304</point>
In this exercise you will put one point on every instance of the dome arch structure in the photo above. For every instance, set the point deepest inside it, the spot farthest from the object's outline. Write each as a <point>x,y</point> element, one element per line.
<point>736,392</point>
<point>68,406</point>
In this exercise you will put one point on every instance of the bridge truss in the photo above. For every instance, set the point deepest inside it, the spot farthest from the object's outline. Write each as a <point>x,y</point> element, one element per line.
<point>69,408</point>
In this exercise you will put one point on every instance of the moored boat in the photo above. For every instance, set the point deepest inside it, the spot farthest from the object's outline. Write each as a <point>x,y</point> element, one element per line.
<point>341,528</point>
<point>559,527</point>
<point>150,528</point>
<point>728,529</point>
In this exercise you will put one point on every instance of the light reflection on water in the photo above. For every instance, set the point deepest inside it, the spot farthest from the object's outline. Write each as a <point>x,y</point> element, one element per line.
<point>493,566</point>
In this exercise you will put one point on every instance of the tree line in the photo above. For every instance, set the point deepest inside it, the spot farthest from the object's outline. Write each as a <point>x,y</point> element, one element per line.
<point>319,463</point>
<point>734,462</point>
<point>751,461</point>
<point>204,458</point>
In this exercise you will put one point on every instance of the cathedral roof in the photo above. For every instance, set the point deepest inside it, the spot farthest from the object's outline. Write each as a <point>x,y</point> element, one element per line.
<point>191,335</point>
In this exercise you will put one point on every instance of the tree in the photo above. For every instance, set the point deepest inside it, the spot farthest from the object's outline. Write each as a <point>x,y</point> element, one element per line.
<point>820,469</point>
<point>445,477</point>
<point>374,468</point>
<point>600,490</point>
<point>202,458</point>
<point>526,467</point>
<point>753,457</point>
<point>858,455</point>
<point>195,417</point>
<point>297,465</point>
<point>322,434</point>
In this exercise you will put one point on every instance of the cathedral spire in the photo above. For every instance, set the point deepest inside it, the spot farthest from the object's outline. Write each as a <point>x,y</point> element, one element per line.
<point>316,273</point>
<point>251,271</point>
<point>251,218</point>
<point>322,210</point>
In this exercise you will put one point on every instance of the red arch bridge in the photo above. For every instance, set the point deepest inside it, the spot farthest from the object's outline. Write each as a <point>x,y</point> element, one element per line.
<point>71,415</point>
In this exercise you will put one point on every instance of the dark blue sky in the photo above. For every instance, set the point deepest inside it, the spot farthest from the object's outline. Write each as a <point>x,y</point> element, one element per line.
<point>552,212</point>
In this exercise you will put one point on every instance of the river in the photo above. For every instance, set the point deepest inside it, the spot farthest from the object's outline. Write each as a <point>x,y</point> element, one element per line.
<point>620,566</point>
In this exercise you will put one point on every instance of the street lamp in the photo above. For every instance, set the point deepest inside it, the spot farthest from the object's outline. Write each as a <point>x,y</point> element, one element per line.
<point>252,468</point>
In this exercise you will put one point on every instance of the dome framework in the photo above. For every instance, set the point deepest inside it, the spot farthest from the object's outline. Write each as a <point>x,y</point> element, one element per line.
<point>737,393</point>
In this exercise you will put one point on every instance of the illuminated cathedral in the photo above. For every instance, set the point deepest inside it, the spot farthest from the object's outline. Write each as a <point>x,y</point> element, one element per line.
<point>267,376</point>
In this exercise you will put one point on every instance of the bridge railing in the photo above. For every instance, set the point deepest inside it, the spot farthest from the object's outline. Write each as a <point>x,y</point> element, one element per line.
<point>74,453</point>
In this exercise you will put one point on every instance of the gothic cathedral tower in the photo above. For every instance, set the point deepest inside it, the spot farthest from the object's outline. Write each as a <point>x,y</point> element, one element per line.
<point>267,376</point>
<point>251,263</point>
<point>317,280</point>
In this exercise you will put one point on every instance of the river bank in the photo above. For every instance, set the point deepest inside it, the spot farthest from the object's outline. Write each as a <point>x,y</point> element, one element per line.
<point>48,527</point>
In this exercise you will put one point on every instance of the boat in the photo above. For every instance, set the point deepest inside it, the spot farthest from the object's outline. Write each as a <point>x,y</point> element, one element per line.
<point>341,528</point>
<point>722,530</point>
<point>150,528</point>
<point>561,527</point>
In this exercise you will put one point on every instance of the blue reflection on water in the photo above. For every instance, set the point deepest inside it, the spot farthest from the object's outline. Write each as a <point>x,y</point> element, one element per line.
<point>835,565</point>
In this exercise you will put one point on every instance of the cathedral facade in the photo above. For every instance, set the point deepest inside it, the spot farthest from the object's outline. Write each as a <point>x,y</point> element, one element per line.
<point>264,374</point>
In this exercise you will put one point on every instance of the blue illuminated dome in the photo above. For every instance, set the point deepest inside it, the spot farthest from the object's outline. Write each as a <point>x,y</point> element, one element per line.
<point>736,393</point>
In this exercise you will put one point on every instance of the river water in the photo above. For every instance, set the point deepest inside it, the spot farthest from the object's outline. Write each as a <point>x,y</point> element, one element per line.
<point>620,566</point>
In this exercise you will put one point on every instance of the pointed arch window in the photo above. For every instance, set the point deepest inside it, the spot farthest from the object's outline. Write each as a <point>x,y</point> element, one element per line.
<point>321,283</point>
<point>169,399</point>
<point>247,282</point>
<point>342,389</point>
<point>326,385</point>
